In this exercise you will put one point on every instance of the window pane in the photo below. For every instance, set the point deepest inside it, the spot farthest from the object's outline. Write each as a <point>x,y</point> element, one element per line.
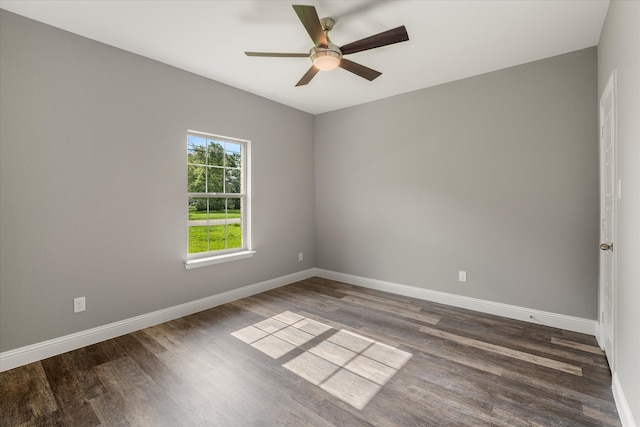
<point>233,209</point>
<point>234,223</point>
<point>198,239</point>
<point>217,209</point>
<point>216,153</point>
<point>216,184</point>
<point>196,179</point>
<point>198,220</point>
<point>198,209</point>
<point>234,232</point>
<point>232,181</point>
<point>196,150</point>
<point>233,155</point>
<point>218,237</point>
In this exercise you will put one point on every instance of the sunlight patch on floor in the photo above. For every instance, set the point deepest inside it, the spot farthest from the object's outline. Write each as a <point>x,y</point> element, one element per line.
<point>349,366</point>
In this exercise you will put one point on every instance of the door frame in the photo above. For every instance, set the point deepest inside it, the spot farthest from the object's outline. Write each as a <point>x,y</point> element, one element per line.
<point>609,90</point>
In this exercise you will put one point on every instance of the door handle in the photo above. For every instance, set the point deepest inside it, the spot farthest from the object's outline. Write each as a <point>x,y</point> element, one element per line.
<point>606,246</point>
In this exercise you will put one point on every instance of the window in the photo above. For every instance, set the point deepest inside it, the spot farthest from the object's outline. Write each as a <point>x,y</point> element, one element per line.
<point>218,203</point>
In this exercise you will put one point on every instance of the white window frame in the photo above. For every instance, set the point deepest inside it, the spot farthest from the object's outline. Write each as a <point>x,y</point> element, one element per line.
<point>202,259</point>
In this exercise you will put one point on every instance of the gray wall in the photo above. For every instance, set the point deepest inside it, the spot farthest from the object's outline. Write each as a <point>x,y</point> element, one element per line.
<point>619,48</point>
<point>496,175</point>
<point>93,181</point>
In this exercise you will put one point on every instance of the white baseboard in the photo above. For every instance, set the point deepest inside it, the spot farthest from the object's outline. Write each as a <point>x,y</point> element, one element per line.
<point>561,321</point>
<point>599,335</point>
<point>624,410</point>
<point>32,353</point>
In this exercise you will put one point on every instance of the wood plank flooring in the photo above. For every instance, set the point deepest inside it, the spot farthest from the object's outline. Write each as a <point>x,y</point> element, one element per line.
<point>321,353</point>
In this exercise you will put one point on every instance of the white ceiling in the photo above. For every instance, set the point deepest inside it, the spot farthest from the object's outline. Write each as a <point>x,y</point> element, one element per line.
<point>449,40</point>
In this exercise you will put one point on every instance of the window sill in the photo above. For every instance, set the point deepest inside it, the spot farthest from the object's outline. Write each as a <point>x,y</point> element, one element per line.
<point>219,259</point>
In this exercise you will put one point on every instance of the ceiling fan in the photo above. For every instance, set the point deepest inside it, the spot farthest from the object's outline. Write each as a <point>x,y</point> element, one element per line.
<point>325,55</point>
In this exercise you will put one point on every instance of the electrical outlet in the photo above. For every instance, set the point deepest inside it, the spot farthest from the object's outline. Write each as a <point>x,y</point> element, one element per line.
<point>79,304</point>
<point>462,276</point>
<point>300,256</point>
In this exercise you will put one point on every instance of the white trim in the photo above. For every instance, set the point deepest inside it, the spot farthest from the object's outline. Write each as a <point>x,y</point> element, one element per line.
<point>32,353</point>
<point>624,410</point>
<point>599,334</point>
<point>218,259</point>
<point>213,135</point>
<point>555,320</point>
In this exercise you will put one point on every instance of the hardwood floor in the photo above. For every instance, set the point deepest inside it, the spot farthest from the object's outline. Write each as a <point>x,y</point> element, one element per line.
<point>321,353</point>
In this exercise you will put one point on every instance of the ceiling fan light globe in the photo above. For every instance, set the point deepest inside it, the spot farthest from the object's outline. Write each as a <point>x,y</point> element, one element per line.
<point>326,63</point>
<point>325,59</point>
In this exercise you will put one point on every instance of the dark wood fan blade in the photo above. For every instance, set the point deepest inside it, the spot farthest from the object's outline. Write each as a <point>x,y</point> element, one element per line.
<point>359,70</point>
<point>395,35</point>
<point>309,18</point>
<point>278,55</point>
<point>308,76</point>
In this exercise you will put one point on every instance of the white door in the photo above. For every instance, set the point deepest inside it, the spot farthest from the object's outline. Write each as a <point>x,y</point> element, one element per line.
<point>609,191</point>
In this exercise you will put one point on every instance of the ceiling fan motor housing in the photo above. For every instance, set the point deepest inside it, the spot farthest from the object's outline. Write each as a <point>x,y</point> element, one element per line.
<point>327,24</point>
